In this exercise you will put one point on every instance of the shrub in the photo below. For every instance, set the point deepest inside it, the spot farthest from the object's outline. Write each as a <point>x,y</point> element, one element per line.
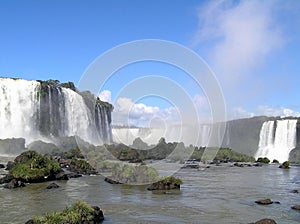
<point>275,161</point>
<point>80,212</point>
<point>263,160</point>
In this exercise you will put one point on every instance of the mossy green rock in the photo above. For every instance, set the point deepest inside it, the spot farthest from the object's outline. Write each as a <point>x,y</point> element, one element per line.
<point>31,166</point>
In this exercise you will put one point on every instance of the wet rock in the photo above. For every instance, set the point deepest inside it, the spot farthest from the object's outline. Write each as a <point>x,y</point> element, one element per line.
<point>296,207</point>
<point>9,165</point>
<point>6,179</point>
<point>168,183</point>
<point>14,183</point>
<point>74,175</point>
<point>2,166</point>
<point>295,191</point>
<point>238,164</point>
<point>264,202</point>
<point>266,221</point>
<point>61,176</point>
<point>111,181</point>
<point>52,185</point>
<point>98,216</point>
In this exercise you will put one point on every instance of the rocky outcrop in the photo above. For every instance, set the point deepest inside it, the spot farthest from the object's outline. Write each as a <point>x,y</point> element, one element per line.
<point>14,183</point>
<point>168,183</point>
<point>111,180</point>
<point>296,207</point>
<point>265,221</point>
<point>266,202</point>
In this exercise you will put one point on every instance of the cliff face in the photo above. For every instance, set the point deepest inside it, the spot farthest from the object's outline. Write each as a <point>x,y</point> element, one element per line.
<point>243,135</point>
<point>47,109</point>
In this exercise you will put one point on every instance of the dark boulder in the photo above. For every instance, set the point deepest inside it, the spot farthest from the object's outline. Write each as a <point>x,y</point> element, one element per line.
<point>2,166</point>
<point>264,202</point>
<point>9,165</point>
<point>296,207</point>
<point>266,221</point>
<point>6,179</point>
<point>295,191</point>
<point>74,175</point>
<point>14,183</point>
<point>61,176</point>
<point>169,183</point>
<point>52,185</point>
<point>238,164</point>
<point>98,216</point>
<point>111,181</point>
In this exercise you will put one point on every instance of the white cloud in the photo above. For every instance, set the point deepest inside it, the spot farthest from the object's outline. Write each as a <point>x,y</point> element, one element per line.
<point>105,95</point>
<point>239,112</point>
<point>241,33</point>
<point>126,112</point>
<point>277,111</point>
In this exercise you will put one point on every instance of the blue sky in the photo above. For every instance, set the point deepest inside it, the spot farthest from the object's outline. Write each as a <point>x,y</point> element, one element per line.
<point>253,47</point>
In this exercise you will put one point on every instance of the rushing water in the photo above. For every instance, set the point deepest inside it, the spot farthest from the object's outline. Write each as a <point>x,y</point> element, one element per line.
<point>215,195</point>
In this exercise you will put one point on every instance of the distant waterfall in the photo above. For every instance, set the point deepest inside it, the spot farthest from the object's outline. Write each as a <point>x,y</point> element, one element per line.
<point>277,139</point>
<point>40,110</point>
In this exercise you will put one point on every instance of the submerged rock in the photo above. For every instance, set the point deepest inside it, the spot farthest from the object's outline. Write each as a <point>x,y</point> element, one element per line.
<point>295,191</point>
<point>264,202</point>
<point>265,221</point>
<point>52,185</point>
<point>296,207</point>
<point>2,166</point>
<point>111,181</point>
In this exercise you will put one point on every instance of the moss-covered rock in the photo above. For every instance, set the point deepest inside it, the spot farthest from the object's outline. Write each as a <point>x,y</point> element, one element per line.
<point>167,183</point>
<point>31,166</point>
<point>78,213</point>
<point>263,160</point>
<point>285,165</point>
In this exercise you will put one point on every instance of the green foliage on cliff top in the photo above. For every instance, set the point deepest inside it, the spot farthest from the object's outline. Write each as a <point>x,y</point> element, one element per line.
<point>80,212</point>
<point>31,166</point>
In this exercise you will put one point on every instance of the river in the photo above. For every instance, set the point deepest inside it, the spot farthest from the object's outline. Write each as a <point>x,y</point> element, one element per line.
<point>215,195</point>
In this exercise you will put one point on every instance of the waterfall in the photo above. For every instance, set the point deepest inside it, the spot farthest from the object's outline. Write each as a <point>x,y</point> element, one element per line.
<point>37,110</point>
<point>77,115</point>
<point>277,139</point>
<point>205,135</point>
<point>18,108</point>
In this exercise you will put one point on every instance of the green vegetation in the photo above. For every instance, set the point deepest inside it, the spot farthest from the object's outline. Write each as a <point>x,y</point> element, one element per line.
<point>172,180</point>
<point>263,160</point>
<point>31,166</point>
<point>226,154</point>
<point>80,212</point>
<point>81,164</point>
<point>73,153</point>
<point>141,174</point>
<point>285,165</point>
<point>166,183</point>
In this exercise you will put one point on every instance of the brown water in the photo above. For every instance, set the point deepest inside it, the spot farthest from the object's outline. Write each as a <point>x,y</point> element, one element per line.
<point>215,195</point>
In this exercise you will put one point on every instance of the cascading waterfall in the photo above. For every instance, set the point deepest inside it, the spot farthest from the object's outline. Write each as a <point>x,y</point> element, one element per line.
<point>78,117</point>
<point>37,110</point>
<point>18,108</point>
<point>277,139</point>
